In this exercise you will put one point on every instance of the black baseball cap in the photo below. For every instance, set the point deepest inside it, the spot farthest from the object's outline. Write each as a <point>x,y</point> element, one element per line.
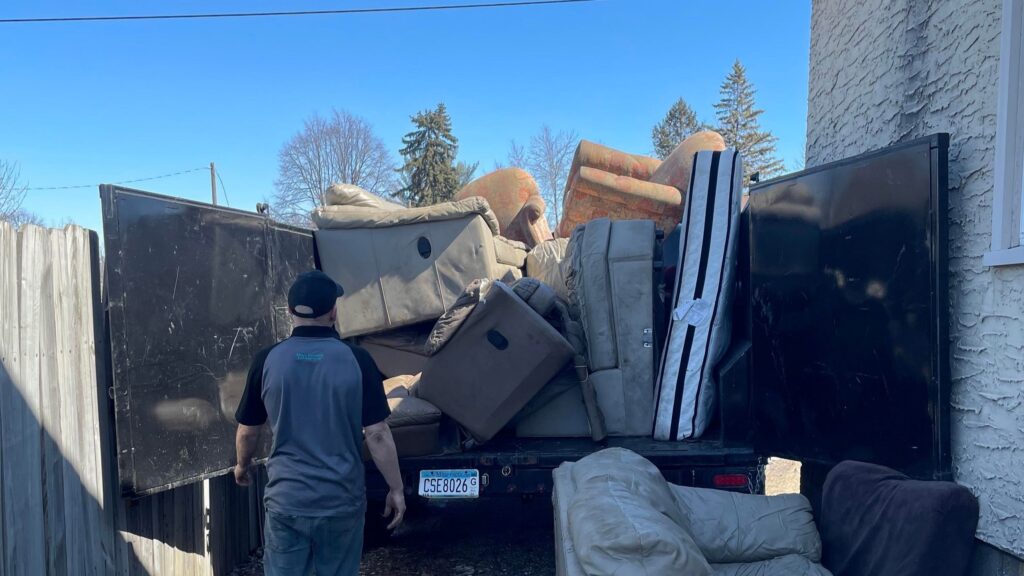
<point>313,294</point>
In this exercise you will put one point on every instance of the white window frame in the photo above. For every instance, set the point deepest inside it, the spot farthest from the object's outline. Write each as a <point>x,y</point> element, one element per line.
<point>1007,223</point>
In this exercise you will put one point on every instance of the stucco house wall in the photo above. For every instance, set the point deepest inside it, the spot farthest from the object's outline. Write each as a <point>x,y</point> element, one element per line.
<point>884,71</point>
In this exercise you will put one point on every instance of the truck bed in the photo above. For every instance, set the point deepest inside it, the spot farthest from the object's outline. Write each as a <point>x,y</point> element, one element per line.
<point>550,452</point>
<point>510,466</point>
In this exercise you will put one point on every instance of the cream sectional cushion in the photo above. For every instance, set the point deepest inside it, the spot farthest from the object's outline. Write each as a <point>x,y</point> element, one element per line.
<point>511,252</point>
<point>352,195</point>
<point>732,527</point>
<point>348,217</point>
<point>616,514</point>
<point>615,531</point>
<point>547,263</point>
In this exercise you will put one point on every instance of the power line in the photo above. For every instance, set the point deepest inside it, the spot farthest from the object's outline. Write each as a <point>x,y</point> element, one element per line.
<point>289,13</point>
<point>120,182</point>
<point>223,188</point>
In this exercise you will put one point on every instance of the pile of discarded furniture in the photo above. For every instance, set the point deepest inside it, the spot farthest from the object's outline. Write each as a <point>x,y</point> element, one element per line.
<point>486,322</point>
<point>489,324</point>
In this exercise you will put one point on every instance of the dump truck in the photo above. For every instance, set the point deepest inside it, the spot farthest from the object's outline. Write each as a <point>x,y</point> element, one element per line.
<point>838,348</point>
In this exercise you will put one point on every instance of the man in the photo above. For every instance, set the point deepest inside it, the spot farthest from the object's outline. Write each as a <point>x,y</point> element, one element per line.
<point>322,397</point>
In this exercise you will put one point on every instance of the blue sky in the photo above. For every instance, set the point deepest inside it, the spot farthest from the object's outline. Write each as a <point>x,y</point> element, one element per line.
<point>104,102</point>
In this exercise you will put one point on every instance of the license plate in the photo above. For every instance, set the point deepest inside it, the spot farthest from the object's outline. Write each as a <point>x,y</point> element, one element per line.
<point>450,483</point>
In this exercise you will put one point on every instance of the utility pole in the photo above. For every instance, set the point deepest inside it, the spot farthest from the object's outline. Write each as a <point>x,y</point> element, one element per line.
<point>213,183</point>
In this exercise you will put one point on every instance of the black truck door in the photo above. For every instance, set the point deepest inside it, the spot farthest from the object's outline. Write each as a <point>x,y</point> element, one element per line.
<point>848,290</point>
<point>193,292</point>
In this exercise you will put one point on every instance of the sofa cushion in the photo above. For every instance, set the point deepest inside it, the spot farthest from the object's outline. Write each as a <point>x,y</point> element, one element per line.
<point>876,521</point>
<point>594,193</point>
<point>792,565</point>
<point>510,252</point>
<point>506,190</point>
<point>530,226</point>
<point>677,167</point>
<point>563,491</point>
<point>631,470</point>
<point>538,295</point>
<point>352,195</point>
<point>590,291</point>
<point>398,352</point>
<point>410,411</point>
<point>349,217</point>
<point>593,155</point>
<point>731,528</point>
<point>547,262</point>
<point>615,531</point>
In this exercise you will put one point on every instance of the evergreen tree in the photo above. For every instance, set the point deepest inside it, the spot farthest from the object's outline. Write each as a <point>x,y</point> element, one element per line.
<point>430,174</point>
<point>738,124</point>
<point>679,123</point>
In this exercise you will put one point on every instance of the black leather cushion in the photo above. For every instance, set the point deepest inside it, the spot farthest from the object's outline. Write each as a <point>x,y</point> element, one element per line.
<point>878,522</point>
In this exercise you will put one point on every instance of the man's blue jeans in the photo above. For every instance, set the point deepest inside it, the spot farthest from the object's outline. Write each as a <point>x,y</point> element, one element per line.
<point>295,545</point>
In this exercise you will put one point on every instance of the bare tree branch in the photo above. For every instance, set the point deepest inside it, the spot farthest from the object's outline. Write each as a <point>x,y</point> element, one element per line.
<point>340,148</point>
<point>20,218</point>
<point>549,159</point>
<point>517,156</point>
<point>12,192</point>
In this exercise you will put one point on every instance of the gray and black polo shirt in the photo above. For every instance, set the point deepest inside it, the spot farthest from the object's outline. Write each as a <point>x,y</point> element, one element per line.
<point>318,394</point>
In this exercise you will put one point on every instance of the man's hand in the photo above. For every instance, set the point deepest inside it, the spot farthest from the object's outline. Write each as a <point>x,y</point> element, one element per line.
<point>243,477</point>
<point>395,503</point>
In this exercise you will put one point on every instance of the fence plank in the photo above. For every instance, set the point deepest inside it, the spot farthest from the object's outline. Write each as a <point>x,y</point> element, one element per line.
<point>23,523</point>
<point>182,507</point>
<point>74,334</point>
<point>9,351</point>
<point>81,342</point>
<point>49,255</point>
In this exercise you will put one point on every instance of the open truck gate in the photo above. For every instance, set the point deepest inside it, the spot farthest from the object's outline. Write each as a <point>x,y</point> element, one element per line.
<point>193,292</point>
<point>840,349</point>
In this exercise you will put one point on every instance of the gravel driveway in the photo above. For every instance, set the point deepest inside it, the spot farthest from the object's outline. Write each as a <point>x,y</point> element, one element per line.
<point>500,536</point>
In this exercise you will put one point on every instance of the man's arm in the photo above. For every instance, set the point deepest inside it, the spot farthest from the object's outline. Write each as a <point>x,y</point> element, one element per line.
<point>246,440</point>
<point>381,446</point>
<point>250,415</point>
<point>379,441</point>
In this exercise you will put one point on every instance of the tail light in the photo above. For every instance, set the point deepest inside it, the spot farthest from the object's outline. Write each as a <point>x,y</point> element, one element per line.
<point>730,480</point>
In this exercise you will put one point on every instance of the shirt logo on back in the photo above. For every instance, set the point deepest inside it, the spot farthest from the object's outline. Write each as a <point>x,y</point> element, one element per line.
<point>309,356</point>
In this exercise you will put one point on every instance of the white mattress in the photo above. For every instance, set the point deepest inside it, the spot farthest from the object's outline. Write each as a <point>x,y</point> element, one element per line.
<point>700,326</point>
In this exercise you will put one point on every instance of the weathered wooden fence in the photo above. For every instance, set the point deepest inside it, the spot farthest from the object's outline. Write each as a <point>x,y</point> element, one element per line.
<point>60,512</point>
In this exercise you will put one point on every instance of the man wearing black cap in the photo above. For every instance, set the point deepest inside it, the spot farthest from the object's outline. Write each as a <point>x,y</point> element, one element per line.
<point>321,397</point>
